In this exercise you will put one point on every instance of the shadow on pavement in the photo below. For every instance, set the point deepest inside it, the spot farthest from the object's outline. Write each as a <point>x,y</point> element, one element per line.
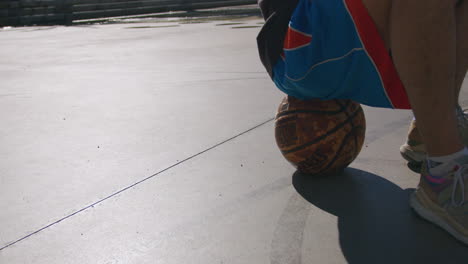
<point>375,222</point>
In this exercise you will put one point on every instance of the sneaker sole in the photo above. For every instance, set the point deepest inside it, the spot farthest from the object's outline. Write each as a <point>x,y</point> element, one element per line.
<point>415,167</point>
<point>434,217</point>
<point>412,156</point>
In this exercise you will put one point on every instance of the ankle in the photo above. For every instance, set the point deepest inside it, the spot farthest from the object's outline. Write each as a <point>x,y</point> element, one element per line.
<point>441,165</point>
<point>413,134</point>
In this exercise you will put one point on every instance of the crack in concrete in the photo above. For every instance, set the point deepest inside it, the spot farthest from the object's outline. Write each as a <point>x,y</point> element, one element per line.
<point>137,183</point>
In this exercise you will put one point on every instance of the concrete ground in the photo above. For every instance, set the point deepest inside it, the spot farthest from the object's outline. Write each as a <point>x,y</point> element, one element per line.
<point>152,142</point>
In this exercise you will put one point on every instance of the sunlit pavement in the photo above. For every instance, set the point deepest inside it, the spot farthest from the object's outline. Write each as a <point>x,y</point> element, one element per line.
<point>152,142</point>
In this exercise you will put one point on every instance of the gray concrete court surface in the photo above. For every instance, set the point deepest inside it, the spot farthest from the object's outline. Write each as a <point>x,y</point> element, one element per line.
<point>152,142</point>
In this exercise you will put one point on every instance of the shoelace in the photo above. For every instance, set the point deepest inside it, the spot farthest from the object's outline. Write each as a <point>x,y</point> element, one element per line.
<point>459,179</point>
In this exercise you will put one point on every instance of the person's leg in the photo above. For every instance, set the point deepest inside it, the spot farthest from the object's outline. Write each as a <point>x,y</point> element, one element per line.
<point>430,84</point>
<point>423,44</point>
<point>422,36</point>
<point>462,65</point>
<point>414,149</point>
<point>462,45</point>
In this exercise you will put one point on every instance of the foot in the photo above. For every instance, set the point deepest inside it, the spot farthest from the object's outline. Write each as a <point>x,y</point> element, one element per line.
<point>442,200</point>
<point>414,150</point>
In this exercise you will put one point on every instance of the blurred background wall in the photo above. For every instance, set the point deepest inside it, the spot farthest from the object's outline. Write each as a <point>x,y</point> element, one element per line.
<point>64,12</point>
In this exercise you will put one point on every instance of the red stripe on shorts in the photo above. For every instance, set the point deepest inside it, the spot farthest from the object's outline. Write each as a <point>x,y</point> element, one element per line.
<point>375,47</point>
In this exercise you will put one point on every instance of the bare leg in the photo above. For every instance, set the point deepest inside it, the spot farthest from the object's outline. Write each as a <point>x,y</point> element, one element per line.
<point>414,150</point>
<point>423,42</point>
<point>462,45</point>
<point>462,56</point>
<point>428,44</point>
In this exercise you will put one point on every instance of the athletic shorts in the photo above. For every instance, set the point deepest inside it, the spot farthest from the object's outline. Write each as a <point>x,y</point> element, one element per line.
<point>332,50</point>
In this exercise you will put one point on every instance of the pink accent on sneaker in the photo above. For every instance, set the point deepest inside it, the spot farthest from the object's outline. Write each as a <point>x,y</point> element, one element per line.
<point>436,183</point>
<point>433,179</point>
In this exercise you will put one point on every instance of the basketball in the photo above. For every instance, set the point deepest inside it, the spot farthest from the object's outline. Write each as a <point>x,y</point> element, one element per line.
<point>319,137</point>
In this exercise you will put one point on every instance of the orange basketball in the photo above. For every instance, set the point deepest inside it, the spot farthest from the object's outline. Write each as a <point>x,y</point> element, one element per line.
<point>320,137</point>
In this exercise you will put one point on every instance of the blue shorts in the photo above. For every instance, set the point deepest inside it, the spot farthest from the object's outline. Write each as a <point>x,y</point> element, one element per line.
<point>332,50</point>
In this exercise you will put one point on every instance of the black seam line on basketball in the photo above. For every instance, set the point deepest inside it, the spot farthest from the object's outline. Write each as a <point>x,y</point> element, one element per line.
<point>349,119</point>
<point>343,143</point>
<point>353,127</point>
<point>286,119</point>
<point>345,107</point>
<point>310,112</point>
<point>322,136</point>
<point>137,183</point>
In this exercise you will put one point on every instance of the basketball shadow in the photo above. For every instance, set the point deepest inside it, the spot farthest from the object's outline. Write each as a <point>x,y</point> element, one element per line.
<point>375,222</point>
